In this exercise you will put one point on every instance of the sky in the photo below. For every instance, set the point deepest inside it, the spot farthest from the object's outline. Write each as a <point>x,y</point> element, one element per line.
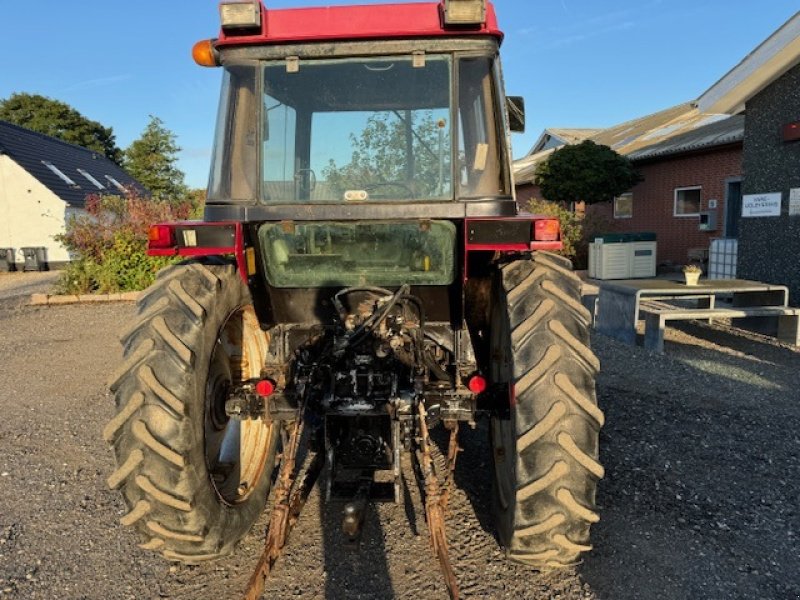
<point>578,63</point>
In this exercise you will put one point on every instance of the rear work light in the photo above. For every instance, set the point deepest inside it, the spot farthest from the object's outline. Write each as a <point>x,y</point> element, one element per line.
<point>546,230</point>
<point>464,12</point>
<point>160,236</point>
<point>240,15</point>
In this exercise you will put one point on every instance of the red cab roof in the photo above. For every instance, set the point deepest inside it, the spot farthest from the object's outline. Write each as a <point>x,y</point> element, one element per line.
<point>374,22</point>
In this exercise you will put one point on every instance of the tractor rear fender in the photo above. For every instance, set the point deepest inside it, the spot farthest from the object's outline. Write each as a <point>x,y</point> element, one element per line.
<point>520,233</point>
<point>484,238</point>
<point>199,238</point>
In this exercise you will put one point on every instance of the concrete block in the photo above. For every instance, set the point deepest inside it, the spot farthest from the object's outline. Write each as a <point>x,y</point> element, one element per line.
<point>63,300</point>
<point>654,332</point>
<point>789,329</point>
<point>93,297</point>
<point>615,315</point>
<point>39,299</point>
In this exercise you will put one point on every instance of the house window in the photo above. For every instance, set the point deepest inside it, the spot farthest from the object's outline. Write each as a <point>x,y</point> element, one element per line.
<point>91,179</point>
<point>65,178</point>
<point>116,184</point>
<point>623,206</point>
<point>687,201</point>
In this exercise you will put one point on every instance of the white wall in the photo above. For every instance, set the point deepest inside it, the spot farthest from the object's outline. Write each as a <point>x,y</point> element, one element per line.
<point>30,214</point>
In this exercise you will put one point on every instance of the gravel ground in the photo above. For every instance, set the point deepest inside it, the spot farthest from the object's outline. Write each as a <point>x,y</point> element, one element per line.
<point>700,498</point>
<point>18,286</point>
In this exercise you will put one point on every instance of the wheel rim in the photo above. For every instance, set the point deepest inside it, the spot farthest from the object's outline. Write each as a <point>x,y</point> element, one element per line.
<point>235,451</point>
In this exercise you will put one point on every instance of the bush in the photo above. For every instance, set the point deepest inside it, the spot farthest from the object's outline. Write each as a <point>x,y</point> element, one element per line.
<point>110,242</point>
<point>585,172</point>
<point>577,230</point>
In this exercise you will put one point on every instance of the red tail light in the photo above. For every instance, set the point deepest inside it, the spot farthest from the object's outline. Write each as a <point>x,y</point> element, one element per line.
<point>160,236</point>
<point>265,388</point>
<point>477,384</point>
<point>546,230</point>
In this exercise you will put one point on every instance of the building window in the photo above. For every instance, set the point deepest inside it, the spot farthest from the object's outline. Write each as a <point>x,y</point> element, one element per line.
<point>687,201</point>
<point>61,175</point>
<point>91,179</point>
<point>116,184</point>
<point>623,206</point>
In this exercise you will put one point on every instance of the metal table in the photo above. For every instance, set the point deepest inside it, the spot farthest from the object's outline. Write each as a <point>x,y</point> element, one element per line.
<point>618,301</point>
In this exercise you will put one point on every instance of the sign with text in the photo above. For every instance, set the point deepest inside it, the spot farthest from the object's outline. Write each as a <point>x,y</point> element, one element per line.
<point>794,202</point>
<point>762,205</point>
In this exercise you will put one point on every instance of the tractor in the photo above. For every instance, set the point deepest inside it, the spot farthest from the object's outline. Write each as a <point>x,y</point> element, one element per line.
<point>362,275</point>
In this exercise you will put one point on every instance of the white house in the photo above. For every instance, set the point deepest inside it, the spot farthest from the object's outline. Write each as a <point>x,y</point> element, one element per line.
<point>42,181</point>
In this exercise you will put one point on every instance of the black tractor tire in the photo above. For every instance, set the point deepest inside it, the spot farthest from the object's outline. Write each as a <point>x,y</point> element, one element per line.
<point>546,450</point>
<point>194,334</point>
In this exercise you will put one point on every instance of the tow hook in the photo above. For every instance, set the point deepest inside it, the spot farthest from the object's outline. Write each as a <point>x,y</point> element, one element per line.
<point>243,406</point>
<point>245,403</point>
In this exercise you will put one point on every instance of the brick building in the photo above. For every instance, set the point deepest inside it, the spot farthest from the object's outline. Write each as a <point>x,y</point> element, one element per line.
<point>697,173</point>
<point>691,164</point>
<point>766,86</point>
<point>731,158</point>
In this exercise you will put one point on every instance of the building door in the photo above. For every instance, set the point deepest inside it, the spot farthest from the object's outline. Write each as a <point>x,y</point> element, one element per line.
<point>733,208</point>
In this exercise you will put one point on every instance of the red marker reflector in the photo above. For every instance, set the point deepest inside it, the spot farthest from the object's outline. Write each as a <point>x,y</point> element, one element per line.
<point>265,387</point>
<point>546,230</point>
<point>160,236</point>
<point>476,384</point>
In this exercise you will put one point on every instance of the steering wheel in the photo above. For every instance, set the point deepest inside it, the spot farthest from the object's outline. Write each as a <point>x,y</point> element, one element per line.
<point>383,184</point>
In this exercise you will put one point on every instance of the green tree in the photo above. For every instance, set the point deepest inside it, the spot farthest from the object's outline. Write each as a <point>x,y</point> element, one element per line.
<point>586,172</point>
<point>151,161</point>
<point>396,155</point>
<point>59,120</point>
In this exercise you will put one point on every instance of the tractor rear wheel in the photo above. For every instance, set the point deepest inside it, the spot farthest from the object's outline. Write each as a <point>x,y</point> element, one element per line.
<point>194,481</point>
<point>546,451</point>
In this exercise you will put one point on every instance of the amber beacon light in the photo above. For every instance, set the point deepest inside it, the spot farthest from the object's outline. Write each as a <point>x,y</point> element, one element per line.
<point>204,54</point>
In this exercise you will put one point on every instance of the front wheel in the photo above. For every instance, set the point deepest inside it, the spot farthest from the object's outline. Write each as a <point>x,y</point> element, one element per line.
<point>194,481</point>
<point>546,451</point>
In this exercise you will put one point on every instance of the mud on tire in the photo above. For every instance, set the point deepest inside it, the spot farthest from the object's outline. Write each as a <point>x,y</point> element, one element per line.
<point>546,453</point>
<point>193,481</point>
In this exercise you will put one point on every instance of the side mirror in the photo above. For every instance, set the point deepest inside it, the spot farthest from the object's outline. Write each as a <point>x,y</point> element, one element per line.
<point>516,113</point>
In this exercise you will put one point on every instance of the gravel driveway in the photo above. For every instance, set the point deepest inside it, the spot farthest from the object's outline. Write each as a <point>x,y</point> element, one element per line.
<point>17,285</point>
<point>700,499</point>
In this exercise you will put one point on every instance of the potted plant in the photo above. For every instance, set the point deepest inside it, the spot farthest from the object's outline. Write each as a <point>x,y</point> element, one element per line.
<point>692,274</point>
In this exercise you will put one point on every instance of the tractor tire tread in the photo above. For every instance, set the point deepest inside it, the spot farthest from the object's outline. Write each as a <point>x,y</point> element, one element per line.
<point>556,417</point>
<point>159,473</point>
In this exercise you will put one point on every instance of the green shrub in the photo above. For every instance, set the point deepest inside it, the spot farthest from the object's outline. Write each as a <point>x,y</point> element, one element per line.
<point>80,277</point>
<point>110,241</point>
<point>126,266</point>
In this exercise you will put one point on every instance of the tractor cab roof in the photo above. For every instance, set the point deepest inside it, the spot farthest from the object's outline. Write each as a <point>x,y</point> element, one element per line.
<point>348,23</point>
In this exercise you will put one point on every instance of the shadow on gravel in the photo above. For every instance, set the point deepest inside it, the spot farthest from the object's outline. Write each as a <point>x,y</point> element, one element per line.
<point>762,349</point>
<point>700,494</point>
<point>474,459</point>
<point>763,366</point>
<point>355,573</point>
